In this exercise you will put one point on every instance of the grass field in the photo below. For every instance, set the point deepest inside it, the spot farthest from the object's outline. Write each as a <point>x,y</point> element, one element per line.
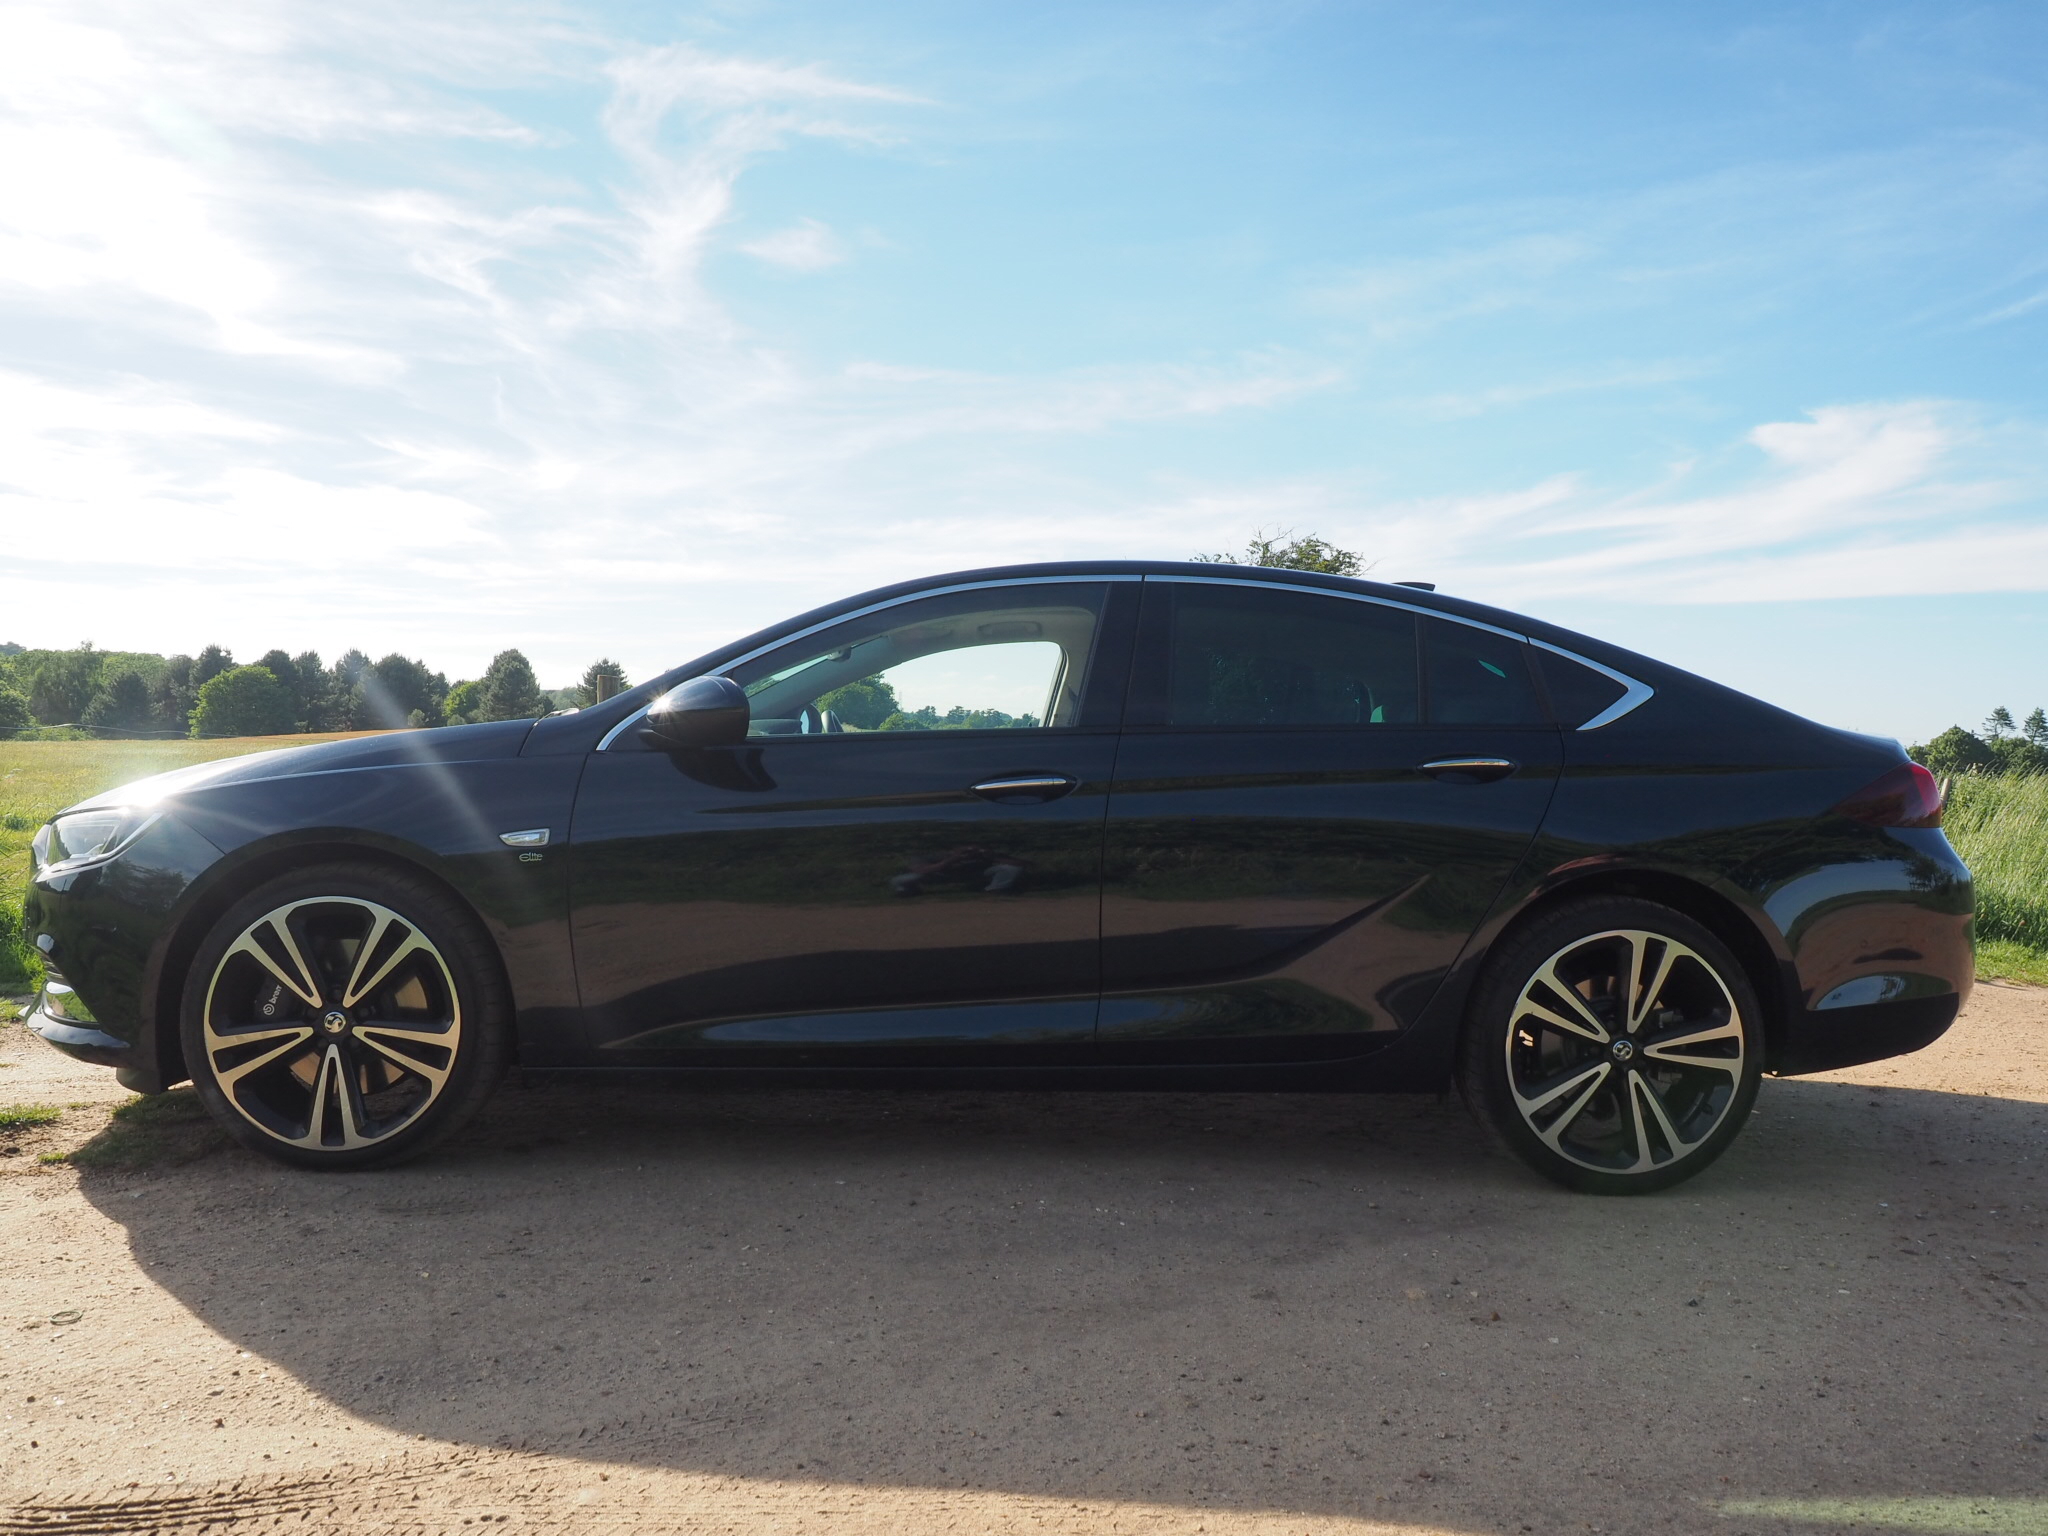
<point>39,777</point>
<point>2000,826</point>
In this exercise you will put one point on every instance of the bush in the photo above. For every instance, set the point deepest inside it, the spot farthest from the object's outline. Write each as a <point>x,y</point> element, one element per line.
<point>123,707</point>
<point>1954,751</point>
<point>1307,553</point>
<point>864,705</point>
<point>465,702</point>
<point>1957,751</point>
<point>244,701</point>
<point>14,715</point>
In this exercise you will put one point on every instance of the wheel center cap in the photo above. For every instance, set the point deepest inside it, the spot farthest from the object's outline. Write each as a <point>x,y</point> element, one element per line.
<point>1623,1049</point>
<point>334,1022</point>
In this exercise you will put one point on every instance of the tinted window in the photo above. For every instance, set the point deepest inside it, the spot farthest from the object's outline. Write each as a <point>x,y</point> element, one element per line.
<point>1577,693</point>
<point>1005,658</point>
<point>1241,656</point>
<point>1477,678</point>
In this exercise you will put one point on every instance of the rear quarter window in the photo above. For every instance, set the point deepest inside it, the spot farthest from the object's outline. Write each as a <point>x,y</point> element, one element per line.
<point>1577,693</point>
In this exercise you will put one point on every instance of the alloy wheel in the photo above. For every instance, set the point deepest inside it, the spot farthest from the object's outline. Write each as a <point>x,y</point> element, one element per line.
<point>331,1023</point>
<point>1625,1051</point>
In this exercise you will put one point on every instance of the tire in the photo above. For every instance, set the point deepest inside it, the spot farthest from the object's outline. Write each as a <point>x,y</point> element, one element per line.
<point>345,1016</point>
<point>1597,1101</point>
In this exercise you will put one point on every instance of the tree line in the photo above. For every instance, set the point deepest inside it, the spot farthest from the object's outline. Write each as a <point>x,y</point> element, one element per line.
<point>140,694</point>
<point>1997,747</point>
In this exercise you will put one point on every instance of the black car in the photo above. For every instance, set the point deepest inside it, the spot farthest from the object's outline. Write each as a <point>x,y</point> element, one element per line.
<point>1190,826</point>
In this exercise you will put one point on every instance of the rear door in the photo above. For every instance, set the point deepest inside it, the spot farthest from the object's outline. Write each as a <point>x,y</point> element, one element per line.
<point>900,866</point>
<point>1316,801</point>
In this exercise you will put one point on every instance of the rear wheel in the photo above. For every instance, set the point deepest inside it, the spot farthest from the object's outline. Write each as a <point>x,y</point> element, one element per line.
<point>1615,1046</point>
<point>345,1016</point>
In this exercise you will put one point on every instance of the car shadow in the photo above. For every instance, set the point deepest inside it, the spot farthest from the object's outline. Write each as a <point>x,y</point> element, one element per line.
<point>1311,1303</point>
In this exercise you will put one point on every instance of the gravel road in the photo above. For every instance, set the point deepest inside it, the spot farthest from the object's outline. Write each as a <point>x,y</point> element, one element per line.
<point>621,1308</point>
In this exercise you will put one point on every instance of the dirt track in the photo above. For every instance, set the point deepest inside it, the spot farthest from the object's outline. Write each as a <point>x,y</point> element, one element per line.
<point>635,1310</point>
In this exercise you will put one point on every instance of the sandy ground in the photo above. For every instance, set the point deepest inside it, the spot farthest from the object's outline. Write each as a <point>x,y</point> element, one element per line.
<point>632,1309</point>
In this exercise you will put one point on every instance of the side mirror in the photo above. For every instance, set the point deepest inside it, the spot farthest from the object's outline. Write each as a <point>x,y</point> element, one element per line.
<point>704,712</point>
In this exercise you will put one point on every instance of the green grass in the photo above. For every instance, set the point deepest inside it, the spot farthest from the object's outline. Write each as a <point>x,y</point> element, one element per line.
<point>39,778</point>
<point>19,1117</point>
<point>2000,827</point>
<point>2003,960</point>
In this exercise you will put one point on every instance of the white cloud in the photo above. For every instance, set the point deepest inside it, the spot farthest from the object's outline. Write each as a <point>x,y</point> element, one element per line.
<point>407,397</point>
<point>1851,501</point>
<point>806,246</point>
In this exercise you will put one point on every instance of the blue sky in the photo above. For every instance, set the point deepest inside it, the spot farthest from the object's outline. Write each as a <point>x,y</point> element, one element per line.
<point>1720,331</point>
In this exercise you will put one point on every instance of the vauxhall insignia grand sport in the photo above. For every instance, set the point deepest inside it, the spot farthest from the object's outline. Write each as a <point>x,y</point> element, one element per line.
<point>1192,826</point>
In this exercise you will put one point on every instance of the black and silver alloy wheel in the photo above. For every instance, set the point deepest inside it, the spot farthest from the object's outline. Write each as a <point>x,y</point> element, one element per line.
<point>344,1024</point>
<point>1623,1052</point>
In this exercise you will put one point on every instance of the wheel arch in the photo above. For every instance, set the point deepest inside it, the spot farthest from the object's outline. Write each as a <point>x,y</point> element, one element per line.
<point>224,886</point>
<point>1768,972</point>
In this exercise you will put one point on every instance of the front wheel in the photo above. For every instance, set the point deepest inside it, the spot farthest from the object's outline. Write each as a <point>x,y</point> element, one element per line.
<point>345,1016</point>
<point>1614,1046</point>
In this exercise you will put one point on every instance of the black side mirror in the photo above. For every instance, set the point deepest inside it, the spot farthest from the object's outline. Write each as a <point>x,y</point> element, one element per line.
<point>704,712</point>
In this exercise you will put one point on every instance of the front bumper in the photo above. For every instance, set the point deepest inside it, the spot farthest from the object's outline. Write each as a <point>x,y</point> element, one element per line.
<point>85,1041</point>
<point>102,930</point>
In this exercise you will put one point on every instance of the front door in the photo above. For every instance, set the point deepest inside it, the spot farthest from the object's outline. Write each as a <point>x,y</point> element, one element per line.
<point>900,866</point>
<point>1293,858</point>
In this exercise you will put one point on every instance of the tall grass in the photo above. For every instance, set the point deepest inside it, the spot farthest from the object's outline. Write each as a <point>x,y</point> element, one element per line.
<point>39,778</point>
<point>2000,827</point>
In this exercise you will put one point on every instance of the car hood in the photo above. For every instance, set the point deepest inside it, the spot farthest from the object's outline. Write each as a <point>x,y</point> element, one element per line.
<point>388,749</point>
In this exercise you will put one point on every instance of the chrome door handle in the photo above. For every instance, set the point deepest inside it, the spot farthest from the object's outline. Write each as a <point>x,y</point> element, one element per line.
<point>1475,770</point>
<point>1025,788</point>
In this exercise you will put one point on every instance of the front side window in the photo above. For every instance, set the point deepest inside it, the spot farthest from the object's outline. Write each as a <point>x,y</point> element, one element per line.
<point>1242,656</point>
<point>1005,658</point>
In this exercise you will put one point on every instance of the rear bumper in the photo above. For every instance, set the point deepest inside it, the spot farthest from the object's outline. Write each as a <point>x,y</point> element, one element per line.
<point>1823,1039</point>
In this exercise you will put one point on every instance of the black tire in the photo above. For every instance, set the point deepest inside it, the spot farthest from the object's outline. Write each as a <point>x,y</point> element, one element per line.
<point>345,1016</point>
<point>1598,1102</point>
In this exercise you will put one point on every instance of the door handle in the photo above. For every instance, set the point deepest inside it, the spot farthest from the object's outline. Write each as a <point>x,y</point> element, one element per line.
<point>1025,788</point>
<point>1468,770</point>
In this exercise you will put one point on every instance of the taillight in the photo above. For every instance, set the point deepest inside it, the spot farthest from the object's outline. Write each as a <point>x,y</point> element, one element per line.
<point>1907,796</point>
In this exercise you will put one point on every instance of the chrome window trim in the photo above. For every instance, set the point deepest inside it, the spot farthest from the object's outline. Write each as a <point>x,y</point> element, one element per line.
<point>860,613</point>
<point>1353,597</point>
<point>1636,692</point>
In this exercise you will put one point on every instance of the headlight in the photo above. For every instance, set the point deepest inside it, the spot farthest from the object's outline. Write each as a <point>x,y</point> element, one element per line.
<point>86,837</point>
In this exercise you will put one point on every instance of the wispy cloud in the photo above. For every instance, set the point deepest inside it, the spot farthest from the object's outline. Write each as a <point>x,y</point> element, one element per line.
<point>806,246</point>
<point>296,309</point>
<point>1848,501</point>
<point>420,377</point>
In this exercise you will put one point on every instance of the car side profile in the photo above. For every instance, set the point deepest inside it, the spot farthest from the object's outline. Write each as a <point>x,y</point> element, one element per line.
<point>1188,826</point>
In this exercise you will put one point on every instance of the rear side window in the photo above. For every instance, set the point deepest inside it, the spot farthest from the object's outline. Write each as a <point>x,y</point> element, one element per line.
<point>1478,678</point>
<point>1242,656</point>
<point>1577,693</point>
